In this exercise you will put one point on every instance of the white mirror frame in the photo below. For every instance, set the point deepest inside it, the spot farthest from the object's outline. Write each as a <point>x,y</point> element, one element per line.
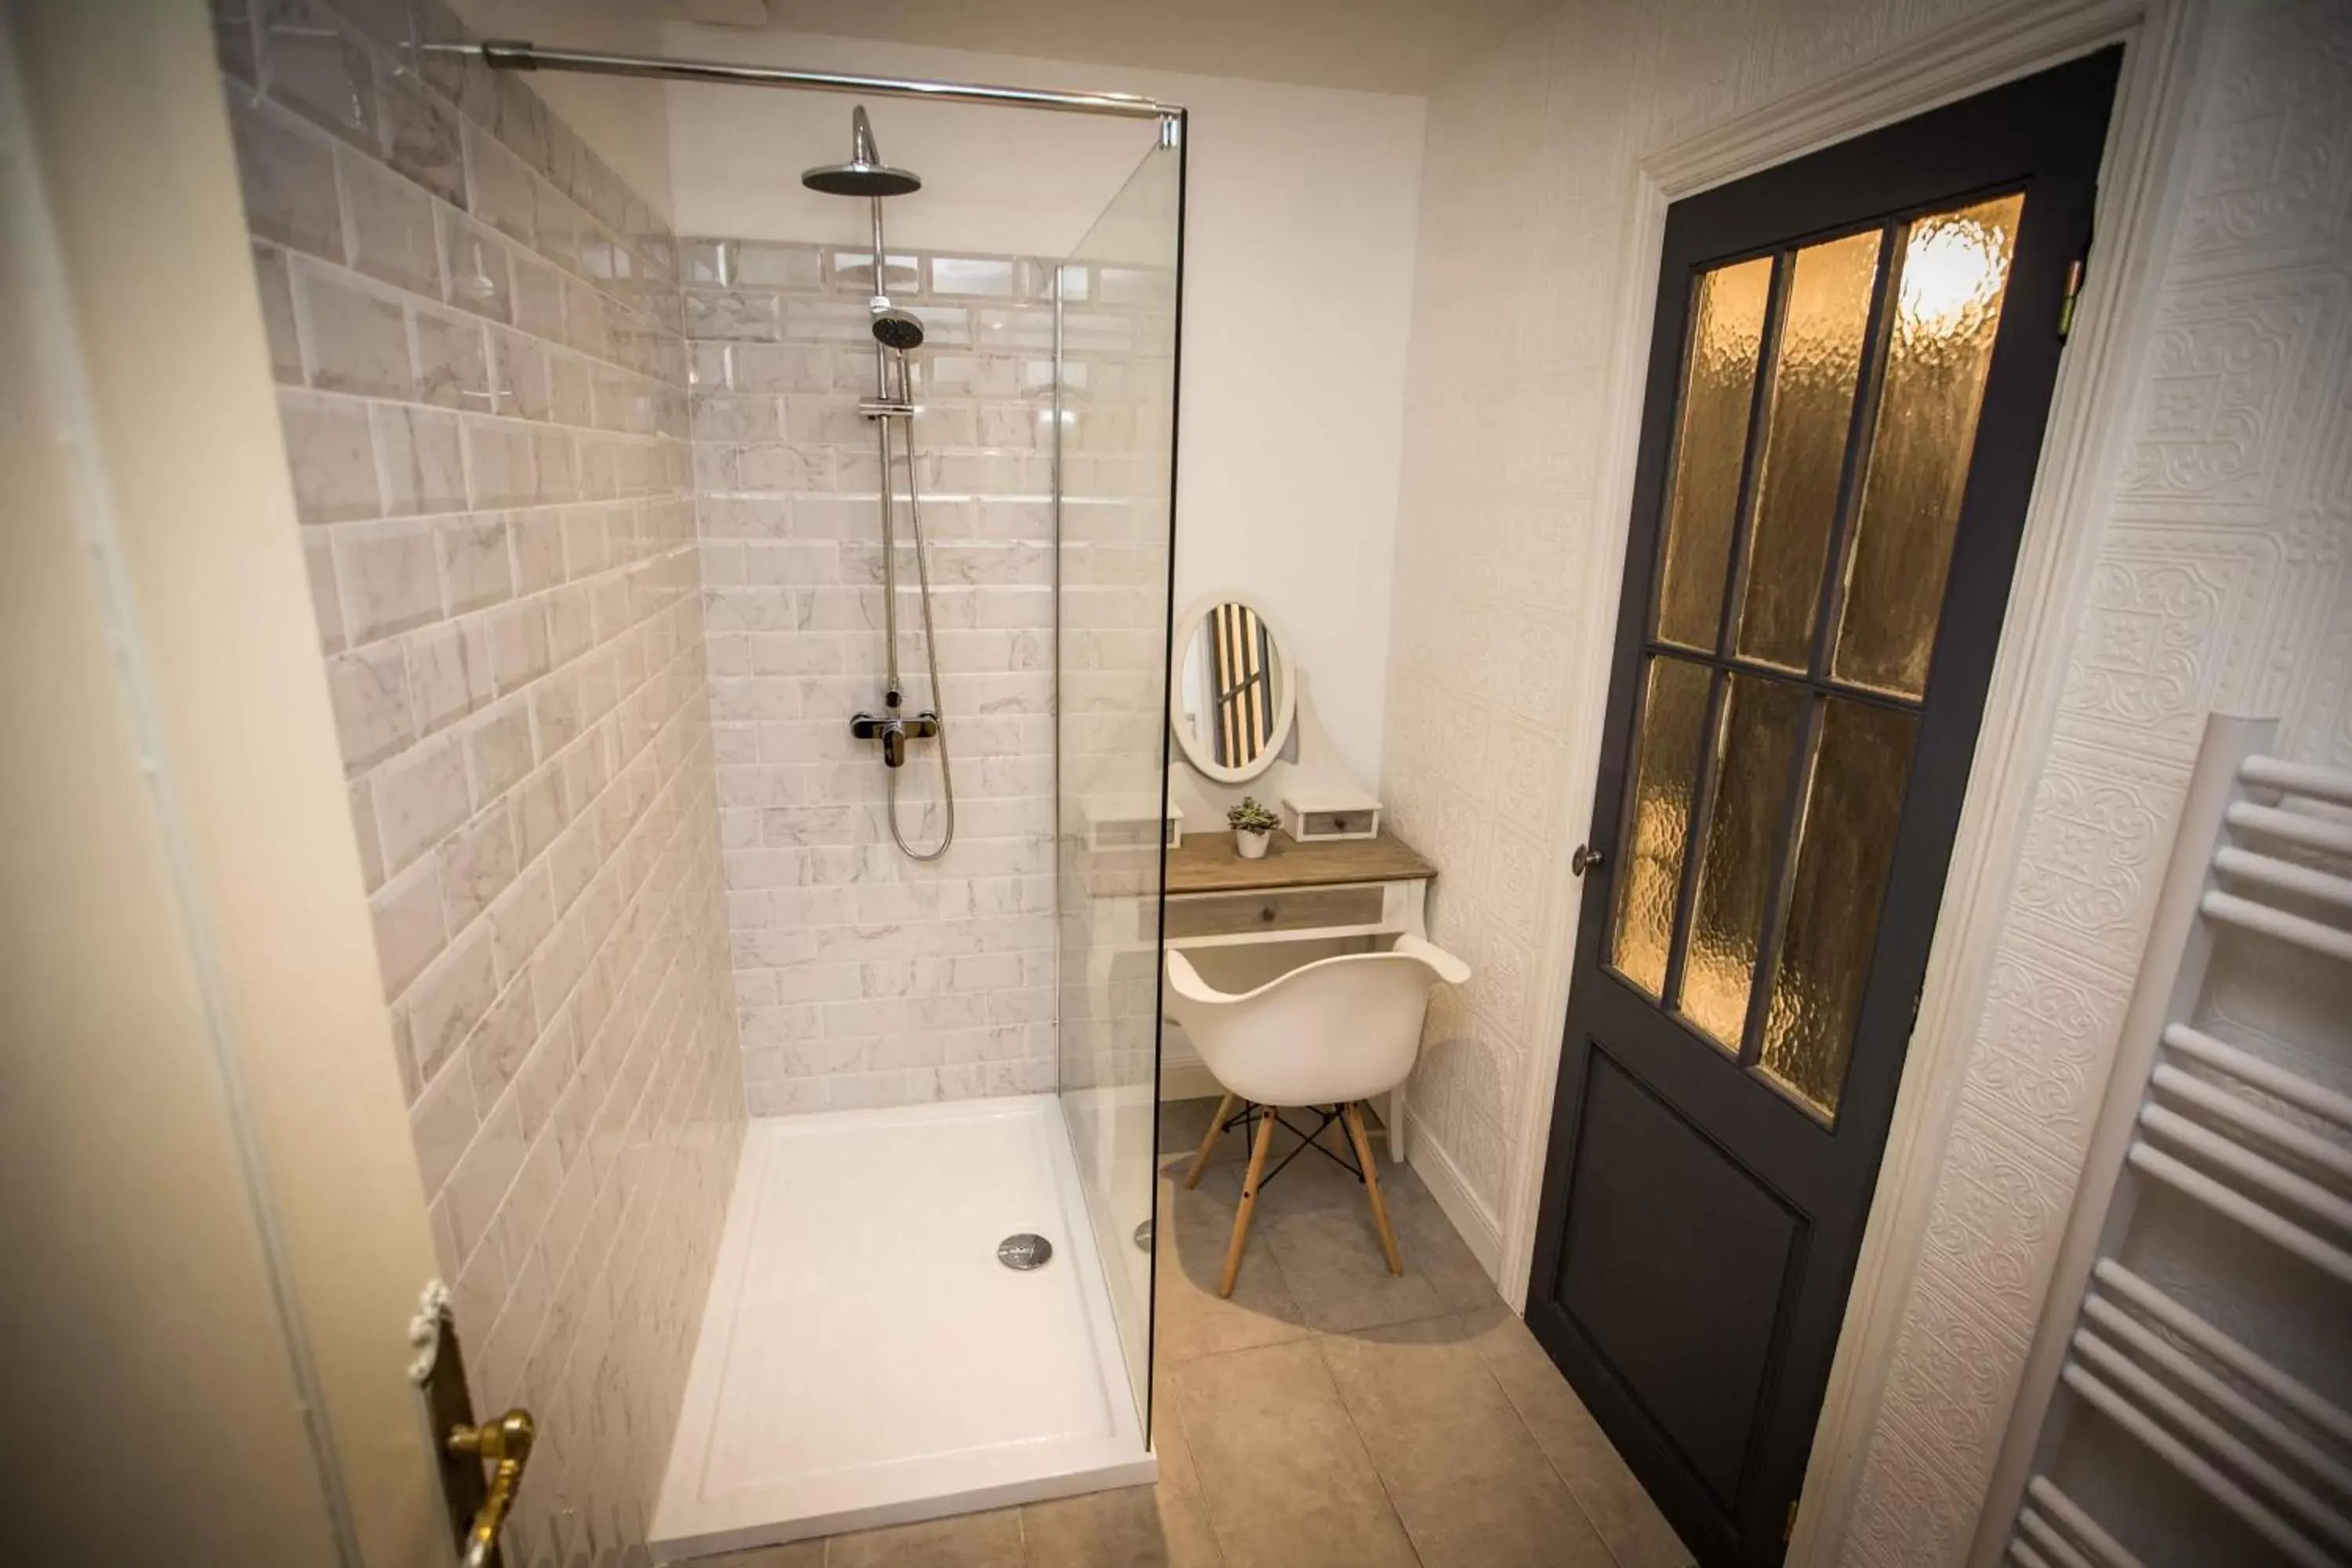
<point>1287,699</point>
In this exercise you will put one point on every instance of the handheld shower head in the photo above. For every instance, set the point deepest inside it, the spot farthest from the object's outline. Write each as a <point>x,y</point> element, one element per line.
<point>864,174</point>
<point>898,329</point>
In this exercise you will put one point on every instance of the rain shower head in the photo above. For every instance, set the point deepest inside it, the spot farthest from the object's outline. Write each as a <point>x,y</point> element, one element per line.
<point>864,174</point>
<point>861,180</point>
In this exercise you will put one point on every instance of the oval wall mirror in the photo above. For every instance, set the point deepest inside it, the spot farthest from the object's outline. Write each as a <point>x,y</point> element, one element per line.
<point>1232,693</point>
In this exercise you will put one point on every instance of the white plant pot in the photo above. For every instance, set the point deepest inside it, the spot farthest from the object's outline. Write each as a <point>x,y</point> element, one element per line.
<point>1251,845</point>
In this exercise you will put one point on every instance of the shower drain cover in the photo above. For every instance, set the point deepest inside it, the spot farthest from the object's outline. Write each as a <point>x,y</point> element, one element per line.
<point>1024,1250</point>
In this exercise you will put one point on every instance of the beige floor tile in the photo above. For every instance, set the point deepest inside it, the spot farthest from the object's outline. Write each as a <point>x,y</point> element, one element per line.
<point>969,1540</point>
<point>799,1555</point>
<point>1432,1248</point>
<point>1637,1533</point>
<point>1132,1527</point>
<point>1285,1478</point>
<point>1178,1478</point>
<point>1318,1222</point>
<point>1192,1320</point>
<point>1468,1479</point>
<point>1331,1259</point>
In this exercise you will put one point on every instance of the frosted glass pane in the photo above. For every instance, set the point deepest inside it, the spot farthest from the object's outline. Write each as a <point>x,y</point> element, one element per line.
<point>1845,844</point>
<point>1949,294</point>
<point>1642,929</point>
<point>1718,387</point>
<point>1756,744</point>
<point>1813,374</point>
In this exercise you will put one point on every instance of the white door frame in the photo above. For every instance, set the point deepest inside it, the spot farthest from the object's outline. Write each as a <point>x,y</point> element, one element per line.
<point>2140,185</point>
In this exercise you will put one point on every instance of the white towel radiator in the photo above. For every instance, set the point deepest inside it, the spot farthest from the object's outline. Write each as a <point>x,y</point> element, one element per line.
<point>2188,1394</point>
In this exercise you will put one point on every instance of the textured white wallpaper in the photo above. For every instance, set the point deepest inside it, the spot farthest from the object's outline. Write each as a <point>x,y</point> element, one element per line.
<point>2221,582</point>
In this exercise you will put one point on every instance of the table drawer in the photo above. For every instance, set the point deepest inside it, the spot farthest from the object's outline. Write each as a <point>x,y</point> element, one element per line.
<point>1294,908</point>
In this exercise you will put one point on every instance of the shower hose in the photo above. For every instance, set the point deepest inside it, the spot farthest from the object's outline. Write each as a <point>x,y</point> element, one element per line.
<point>930,641</point>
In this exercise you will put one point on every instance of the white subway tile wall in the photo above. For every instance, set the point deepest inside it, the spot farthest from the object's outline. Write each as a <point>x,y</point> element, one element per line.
<point>865,978</point>
<point>475,330</point>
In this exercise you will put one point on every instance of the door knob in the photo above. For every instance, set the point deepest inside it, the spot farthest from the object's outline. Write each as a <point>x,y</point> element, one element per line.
<point>1585,858</point>
<point>506,1443</point>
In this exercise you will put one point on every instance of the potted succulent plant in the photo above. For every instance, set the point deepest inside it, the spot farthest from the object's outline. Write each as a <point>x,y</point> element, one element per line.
<point>1252,828</point>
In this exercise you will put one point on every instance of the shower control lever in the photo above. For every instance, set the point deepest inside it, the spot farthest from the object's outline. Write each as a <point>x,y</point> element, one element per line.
<point>893,732</point>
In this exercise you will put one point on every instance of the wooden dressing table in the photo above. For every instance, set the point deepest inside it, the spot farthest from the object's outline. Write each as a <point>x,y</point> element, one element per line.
<point>1315,891</point>
<point>1242,717</point>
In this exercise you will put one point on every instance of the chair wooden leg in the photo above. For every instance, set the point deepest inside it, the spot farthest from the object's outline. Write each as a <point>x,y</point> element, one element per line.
<point>1249,1200</point>
<point>1355,1117</point>
<point>1226,1107</point>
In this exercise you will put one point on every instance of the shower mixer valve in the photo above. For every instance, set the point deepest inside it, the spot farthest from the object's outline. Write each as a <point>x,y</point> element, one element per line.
<point>894,732</point>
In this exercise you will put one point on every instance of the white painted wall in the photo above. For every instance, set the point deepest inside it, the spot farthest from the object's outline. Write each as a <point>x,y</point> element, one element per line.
<point>1302,211</point>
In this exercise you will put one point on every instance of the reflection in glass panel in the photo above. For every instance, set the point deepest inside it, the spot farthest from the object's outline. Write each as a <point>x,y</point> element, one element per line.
<point>1813,373</point>
<point>1718,385</point>
<point>1955,271</point>
<point>1756,742</point>
<point>1845,843</point>
<point>1673,711</point>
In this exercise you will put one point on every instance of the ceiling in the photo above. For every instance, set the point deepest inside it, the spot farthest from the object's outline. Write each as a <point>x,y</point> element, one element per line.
<point>1375,46</point>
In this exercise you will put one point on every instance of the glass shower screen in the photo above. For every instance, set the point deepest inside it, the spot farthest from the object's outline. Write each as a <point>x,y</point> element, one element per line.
<point>1114,415</point>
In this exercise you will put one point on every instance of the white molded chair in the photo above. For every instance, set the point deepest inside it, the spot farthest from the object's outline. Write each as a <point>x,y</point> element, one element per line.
<point>1336,1032</point>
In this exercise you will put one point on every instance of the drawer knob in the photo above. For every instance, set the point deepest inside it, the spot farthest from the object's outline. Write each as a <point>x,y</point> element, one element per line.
<point>1266,913</point>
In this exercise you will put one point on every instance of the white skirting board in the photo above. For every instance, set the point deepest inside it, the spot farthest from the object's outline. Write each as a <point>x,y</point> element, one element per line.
<point>1185,1076</point>
<point>865,1360</point>
<point>1478,1229</point>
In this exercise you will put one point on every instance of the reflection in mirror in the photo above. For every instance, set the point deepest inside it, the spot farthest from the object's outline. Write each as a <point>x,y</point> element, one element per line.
<point>1232,702</point>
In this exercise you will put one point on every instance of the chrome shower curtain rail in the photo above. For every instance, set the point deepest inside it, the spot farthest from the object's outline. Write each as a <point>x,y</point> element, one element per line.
<point>506,54</point>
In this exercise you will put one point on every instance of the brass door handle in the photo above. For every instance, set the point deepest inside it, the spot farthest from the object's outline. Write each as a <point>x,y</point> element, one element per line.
<point>506,1443</point>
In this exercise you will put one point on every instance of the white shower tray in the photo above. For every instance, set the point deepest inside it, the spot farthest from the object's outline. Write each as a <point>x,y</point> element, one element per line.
<point>865,1359</point>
